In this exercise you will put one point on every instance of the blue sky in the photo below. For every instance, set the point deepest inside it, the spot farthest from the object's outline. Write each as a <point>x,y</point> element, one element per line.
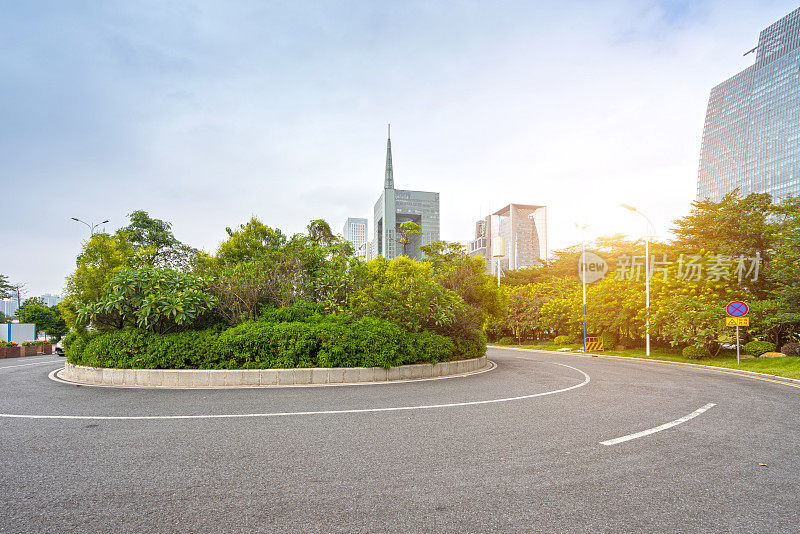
<point>205,113</point>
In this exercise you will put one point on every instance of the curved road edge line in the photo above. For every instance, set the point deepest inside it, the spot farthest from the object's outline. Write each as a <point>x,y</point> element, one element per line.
<point>586,380</point>
<point>724,370</point>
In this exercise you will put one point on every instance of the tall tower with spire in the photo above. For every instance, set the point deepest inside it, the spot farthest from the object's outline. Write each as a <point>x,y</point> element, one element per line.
<point>388,182</point>
<point>396,206</point>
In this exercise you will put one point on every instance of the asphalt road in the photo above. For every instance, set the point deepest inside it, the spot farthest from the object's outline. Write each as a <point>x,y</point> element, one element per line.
<point>438,458</point>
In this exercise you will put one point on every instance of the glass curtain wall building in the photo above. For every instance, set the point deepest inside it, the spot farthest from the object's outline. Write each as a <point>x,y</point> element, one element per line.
<point>513,237</point>
<point>355,231</point>
<point>396,206</point>
<point>751,135</point>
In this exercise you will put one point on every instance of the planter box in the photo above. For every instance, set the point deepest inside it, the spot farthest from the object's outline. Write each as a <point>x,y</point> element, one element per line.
<point>2,352</point>
<point>48,349</point>
<point>30,350</point>
<point>14,352</point>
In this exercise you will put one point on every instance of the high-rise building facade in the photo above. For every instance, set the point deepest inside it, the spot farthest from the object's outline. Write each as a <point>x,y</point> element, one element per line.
<point>513,237</point>
<point>50,299</point>
<point>355,231</point>
<point>751,135</point>
<point>397,206</point>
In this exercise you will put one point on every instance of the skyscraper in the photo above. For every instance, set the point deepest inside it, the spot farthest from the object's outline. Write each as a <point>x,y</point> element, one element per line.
<point>751,136</point>
<point>397,206</point>
<point>355,231</point>
<point>517,239</point>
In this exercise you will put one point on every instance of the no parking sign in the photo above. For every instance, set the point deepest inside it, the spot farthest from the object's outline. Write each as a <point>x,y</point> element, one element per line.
<point>737,308</point>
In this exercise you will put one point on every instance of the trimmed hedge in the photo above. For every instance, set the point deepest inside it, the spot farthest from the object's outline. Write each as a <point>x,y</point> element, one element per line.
<point>322,341</point>
<point>695,353</point>
<point>757,348</point>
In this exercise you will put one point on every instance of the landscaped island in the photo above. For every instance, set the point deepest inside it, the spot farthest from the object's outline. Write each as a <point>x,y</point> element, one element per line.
<point>140,299</point>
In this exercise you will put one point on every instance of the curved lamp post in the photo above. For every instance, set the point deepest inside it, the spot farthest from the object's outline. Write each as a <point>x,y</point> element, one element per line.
<point>90,226</point>
<point>648,226</point>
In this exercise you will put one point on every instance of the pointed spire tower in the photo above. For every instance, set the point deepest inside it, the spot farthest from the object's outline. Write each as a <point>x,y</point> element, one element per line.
<point>389,181</point>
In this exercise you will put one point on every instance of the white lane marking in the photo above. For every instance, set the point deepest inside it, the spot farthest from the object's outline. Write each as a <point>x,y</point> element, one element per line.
<point>320,412</point>
<point>659,428</point>
<point>27,364</point>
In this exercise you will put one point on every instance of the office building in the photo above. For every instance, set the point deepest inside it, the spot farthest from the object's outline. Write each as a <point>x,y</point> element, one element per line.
<point>355,231</point>
<point>397,206</point>
<point>751,135</point>
<point>513,237</point>
<point>51,300</point>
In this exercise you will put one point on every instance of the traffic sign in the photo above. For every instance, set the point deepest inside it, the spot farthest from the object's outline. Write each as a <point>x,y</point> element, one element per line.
<point>737,321</point>
<point>737,308</point>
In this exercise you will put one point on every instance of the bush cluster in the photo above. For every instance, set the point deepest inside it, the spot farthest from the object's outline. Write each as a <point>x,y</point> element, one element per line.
<point>757,348</point>
<point>566,340</point>
<point>267,343</point>
<point>696,353</point>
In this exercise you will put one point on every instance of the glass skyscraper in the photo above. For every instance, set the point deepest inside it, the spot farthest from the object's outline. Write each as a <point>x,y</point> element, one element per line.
<point>751,136</point>
<point>397,206</point>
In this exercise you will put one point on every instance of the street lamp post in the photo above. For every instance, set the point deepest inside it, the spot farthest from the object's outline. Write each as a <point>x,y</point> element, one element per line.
<point>583,277</point>
<point>646,272</point>
<point>90,226</point>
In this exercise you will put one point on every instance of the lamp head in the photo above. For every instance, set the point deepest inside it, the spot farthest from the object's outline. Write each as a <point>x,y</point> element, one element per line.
<point>75,219</point>
<point>628,207</point>
<point>103,222</point>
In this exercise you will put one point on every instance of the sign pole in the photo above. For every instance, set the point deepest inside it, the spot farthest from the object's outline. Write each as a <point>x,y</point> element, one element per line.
<point>737,344</point>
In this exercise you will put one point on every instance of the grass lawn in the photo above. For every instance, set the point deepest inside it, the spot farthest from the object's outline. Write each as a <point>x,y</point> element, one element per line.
<point>788,366</point>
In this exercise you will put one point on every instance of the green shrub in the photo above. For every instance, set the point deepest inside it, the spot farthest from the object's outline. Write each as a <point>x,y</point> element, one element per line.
<point>791,349</point>
<point>466,349</point>
<point>696,353</point>
<point>319,341</point>
<point>507,341</point>
<point>157,300</point>
<point>563,340</point>
<point>75,343</point>
<point>298,312</point>
<point>432,348</point>
<point>757,348</point>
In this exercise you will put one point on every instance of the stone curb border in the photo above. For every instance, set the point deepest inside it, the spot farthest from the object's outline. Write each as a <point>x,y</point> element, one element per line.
<point>729,370</point>
<point>213,378</point>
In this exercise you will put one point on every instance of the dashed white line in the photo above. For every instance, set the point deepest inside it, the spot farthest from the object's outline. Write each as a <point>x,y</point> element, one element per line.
<point>659,428</point>
<point>320,412</point>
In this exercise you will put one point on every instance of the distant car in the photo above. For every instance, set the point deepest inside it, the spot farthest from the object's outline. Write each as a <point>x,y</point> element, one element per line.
<point>60,348</point>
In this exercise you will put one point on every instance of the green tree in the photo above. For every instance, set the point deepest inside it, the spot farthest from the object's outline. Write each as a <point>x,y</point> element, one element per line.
<point>466,276</point>
<point>252,240</point>
<point>157,300</point>
<point>408,230</point>
<point>155,244</point>
<point>5,287</point>
<point>259,266</point>
<point>101,258</point>
<point>406,293</point>
<point>47,319</point>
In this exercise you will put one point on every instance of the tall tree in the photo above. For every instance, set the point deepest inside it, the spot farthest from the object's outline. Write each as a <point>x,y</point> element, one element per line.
<point>5,287</point>
<point>154,242</point>
<point>408,230</point>
<point>102,257</point>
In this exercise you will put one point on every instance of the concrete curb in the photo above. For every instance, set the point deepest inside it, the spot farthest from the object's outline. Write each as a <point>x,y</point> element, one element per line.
<point>730,370</point>
<point>213,378</point>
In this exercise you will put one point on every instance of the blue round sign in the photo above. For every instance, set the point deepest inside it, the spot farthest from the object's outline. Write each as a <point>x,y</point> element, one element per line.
<point>737,308</point>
